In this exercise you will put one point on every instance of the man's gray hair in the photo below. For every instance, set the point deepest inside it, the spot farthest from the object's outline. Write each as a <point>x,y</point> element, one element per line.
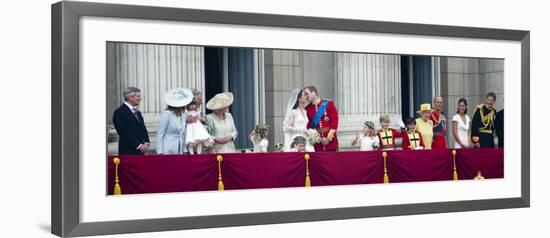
<point>129,92</point>
<point>438,96</point>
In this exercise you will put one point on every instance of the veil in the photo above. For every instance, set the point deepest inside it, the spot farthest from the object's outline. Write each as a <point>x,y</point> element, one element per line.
<point>292,100</point>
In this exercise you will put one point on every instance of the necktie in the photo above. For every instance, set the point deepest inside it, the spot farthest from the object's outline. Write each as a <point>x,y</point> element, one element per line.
<point>135,111</point>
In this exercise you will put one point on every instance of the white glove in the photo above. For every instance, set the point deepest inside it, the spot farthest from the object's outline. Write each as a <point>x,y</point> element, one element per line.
<point>401,124</point>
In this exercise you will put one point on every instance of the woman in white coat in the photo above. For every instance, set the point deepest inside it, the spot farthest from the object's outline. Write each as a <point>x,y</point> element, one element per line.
<point>171,131</point>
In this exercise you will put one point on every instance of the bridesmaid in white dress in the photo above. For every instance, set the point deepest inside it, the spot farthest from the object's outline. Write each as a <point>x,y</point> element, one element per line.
<point>295,123</point>
<point>259,138</point>
<point>196,134</point>
<point>461,125</point>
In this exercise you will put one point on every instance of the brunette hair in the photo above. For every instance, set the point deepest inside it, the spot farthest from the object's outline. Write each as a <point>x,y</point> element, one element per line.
<point>492,94</point>
<point>176,110</point>
<point>297,103</point>
<point>465,104</point>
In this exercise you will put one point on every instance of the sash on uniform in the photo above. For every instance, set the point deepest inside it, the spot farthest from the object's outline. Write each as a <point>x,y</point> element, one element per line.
<point>319,113</point>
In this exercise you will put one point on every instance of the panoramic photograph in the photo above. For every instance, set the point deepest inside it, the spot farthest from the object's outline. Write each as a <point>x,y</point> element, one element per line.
<point>183,118</point>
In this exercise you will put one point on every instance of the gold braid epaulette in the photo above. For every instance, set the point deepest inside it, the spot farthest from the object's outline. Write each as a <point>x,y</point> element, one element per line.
<point>486,120</point>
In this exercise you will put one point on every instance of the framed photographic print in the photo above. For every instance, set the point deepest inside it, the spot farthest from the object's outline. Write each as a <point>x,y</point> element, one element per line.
<point>220,119</point>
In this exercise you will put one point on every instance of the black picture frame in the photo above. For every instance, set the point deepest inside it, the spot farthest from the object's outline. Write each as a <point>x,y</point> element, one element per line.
<point>65,117</point>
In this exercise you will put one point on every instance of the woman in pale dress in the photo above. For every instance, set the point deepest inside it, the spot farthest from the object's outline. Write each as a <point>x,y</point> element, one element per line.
<point>295,122</point>
<point>172,124</point>
<point>461,125</point>
<point>220,123</point>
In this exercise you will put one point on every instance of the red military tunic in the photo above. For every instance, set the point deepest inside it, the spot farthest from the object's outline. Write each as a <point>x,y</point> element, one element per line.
<point>327,125</point>
<point>440,129</point>
<point>412,139</point>
<point>387,138</point>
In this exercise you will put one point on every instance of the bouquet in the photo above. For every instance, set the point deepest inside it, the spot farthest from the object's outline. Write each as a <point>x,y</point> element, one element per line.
<point>278,147</point>
<point>313,136</point>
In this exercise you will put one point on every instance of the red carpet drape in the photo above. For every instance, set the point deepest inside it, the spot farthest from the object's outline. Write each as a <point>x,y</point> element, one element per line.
<point>183,173</point>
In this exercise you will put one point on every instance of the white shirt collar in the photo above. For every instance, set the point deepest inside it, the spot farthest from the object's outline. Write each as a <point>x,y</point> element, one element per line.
<point>130,106</point>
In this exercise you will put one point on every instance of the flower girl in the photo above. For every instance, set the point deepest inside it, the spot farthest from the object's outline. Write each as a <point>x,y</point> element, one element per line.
<point>368,139</point>
<point>259,138</point>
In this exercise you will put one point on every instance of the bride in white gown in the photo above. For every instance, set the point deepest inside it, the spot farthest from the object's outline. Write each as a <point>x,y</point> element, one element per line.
<point>295,123</point>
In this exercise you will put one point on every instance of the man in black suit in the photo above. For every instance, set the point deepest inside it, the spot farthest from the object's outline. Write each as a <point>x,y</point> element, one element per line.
<point>133,136</point>
<point>499,127</point>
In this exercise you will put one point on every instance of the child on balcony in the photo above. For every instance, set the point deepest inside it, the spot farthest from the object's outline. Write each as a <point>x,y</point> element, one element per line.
<point>259,138</point>
<point>196,134</point>
<point>387,135</point>
<point>368,140</point>
<point>298,144</point>
<point>412,140</point>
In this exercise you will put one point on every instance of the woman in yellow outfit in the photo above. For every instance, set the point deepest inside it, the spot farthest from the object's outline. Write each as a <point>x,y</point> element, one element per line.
<point>424,125</point>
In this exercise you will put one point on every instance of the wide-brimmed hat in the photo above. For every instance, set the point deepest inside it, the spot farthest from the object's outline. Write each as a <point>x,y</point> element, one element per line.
<point>178,97</point>
<point>220,101</point>
<point>425,107</point>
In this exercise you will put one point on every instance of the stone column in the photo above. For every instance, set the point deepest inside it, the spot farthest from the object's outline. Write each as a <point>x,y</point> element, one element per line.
<point>367,85</point>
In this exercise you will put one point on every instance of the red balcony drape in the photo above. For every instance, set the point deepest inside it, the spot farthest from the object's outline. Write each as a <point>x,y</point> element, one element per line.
<point>184,173</point>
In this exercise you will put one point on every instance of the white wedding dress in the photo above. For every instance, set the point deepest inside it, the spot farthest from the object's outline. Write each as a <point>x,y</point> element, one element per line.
<point>295,124</point>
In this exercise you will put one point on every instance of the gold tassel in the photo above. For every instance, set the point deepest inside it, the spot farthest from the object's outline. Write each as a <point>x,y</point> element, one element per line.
<point>220,182</point>
<point>117,190</point>
<point>479,176</point>
<point>308,181</point>
<point>386,178</point>
<point>455,174</point>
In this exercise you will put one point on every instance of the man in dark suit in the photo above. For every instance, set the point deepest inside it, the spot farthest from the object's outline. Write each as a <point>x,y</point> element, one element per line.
<point>499,127</point>
<point>133,135</point>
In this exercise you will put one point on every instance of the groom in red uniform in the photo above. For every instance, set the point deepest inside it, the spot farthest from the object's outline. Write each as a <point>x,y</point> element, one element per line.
<point>323,117</point>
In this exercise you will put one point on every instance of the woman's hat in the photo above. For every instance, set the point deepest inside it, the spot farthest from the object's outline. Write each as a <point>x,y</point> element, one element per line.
<point>178,97</point>
<point>220,101</point>
<point>425,107</point>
